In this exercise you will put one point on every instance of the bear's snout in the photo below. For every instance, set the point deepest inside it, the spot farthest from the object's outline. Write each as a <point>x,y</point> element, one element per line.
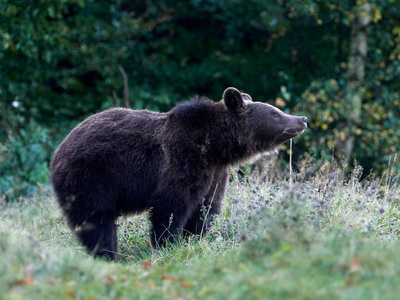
<point>295,126</point>
<point>303,121</point>
<point>299,123</point>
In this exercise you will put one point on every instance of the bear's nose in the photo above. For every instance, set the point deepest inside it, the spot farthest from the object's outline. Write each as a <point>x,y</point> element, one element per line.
<point>303,119</point>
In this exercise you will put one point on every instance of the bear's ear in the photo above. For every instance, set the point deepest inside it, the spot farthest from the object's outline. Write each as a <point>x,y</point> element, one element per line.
<point>233,99</point>
<point>246,97</point>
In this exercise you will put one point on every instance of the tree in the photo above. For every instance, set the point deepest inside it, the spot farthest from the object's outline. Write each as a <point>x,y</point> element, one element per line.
<point>359,106</point>
<point>356,71</point>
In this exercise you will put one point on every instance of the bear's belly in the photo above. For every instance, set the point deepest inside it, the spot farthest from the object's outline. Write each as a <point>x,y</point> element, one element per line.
<point>135,197</point>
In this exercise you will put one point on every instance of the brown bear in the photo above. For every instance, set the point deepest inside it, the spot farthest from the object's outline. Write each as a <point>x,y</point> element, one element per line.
<point>124,161</point>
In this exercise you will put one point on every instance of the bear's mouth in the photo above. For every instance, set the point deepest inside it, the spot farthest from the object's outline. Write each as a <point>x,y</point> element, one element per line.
<point>293,132</point>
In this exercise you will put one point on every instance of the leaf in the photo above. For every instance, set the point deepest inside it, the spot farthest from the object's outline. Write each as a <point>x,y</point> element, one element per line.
<point>71,294</point>
<point>27,281</point>
<point>355,265</point>
<point>147,264</point>
<point>185,284</point>
<point>170,278</point>
<point>244,267</point>
<point>110,279</point>
<point>51,12</point>
<point>279,102</point>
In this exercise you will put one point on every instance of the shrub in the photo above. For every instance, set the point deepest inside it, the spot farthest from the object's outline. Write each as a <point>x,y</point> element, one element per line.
<point>24,155</point>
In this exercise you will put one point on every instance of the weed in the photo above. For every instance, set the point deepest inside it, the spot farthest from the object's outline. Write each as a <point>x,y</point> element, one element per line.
<point>320,237</point>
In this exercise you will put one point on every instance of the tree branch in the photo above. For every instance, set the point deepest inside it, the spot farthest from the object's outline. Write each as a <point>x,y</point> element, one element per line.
<point>125,97</point>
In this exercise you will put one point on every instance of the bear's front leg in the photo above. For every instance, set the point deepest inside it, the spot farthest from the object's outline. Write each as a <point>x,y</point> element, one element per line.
<point>198,222</point>
<point>167,224</point>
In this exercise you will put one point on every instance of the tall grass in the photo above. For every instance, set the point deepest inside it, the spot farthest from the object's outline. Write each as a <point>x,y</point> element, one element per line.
<point>323,237</point>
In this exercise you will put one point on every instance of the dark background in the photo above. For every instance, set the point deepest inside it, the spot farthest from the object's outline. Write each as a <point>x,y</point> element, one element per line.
<point>337,62</point>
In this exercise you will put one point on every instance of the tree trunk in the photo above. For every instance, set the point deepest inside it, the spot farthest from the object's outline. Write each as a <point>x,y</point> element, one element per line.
<point>356,71</point>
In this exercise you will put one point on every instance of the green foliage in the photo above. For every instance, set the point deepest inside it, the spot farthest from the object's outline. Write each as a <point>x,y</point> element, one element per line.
<point>70,51</point>
<point>327,98</point>
<point>59,61</point>
<point>24,156</point>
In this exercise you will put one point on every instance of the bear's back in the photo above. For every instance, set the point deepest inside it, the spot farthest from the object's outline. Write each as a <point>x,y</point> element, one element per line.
<point>111,130</point>
<point>110,148</point>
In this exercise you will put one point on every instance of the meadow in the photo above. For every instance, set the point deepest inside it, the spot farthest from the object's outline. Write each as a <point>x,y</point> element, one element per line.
<point>318,236</point>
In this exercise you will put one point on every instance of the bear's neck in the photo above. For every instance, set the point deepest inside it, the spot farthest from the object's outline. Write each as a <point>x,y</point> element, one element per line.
<point>231,145</point>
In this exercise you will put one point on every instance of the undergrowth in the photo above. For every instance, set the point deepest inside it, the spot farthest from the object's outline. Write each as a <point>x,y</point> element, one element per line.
<point>324,237</point>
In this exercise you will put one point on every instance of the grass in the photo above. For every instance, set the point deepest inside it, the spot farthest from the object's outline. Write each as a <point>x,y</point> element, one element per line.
<point>320,238</point>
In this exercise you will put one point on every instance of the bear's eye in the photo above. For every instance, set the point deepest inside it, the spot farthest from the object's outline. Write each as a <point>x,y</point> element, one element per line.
<point>275,113</point>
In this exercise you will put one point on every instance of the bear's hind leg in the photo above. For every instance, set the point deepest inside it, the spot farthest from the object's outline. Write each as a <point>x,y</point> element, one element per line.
<point>99,235</point>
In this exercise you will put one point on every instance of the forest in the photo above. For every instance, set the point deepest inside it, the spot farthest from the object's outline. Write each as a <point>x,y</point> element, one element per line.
<point>336,61</point>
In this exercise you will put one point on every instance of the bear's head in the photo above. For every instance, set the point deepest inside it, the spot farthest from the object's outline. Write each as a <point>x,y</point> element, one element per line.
<point>264,126</point>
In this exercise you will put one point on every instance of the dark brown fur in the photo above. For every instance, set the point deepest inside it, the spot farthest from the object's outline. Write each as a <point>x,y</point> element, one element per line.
<point>123,161</point>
